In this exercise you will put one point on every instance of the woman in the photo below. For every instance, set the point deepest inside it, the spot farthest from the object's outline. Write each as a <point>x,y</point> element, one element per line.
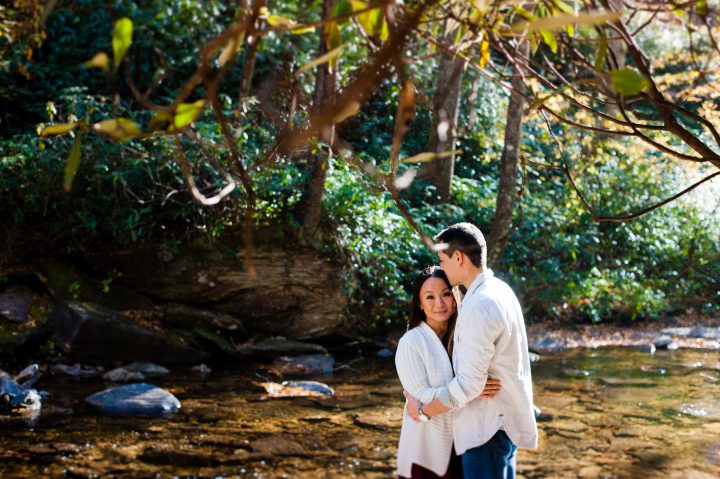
<point>423,364</point>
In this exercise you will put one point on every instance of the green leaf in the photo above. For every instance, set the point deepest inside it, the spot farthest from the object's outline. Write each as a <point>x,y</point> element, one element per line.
<point>57,129</point>
<point>122,38</point>
<point>333,37</point>
<point>342,7</point>
<point>119,129</point>
<point>372,21</point>
<point>564,7</point>
<point>72,164</point>
<point>159,122</point>
<point>550,39</point>
<point>186,113</point>
<point>627,81</point>
<point>100,60</point>
<point>602,51</point>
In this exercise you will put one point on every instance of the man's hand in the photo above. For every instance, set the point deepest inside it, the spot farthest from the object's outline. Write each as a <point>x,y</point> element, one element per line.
<point>492,388</point>
<point>412,406</point>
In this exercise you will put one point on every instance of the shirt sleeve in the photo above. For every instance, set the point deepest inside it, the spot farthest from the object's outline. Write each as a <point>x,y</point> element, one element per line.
<point>412,373</point>
<point>475,349</point>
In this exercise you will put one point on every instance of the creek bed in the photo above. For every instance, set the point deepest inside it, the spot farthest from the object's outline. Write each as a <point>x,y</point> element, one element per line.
<point>605,413</point>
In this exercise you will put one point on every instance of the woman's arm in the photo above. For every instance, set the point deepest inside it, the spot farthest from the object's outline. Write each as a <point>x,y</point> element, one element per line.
<point>412,372</point>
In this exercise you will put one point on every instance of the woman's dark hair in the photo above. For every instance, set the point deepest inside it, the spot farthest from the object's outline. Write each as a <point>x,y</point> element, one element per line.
<point>417,315</point>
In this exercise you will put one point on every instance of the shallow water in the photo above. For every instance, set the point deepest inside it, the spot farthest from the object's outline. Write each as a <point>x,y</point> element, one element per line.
<point>606,413</point>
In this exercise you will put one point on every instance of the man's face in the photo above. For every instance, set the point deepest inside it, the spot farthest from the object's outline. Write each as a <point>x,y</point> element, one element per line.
<point>449,264</point>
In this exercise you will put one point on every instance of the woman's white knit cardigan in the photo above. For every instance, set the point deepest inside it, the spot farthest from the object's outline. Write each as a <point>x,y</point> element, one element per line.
<point>424,367</point>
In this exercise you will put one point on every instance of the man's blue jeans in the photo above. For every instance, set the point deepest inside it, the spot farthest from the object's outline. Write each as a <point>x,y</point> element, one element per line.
<point>493,460</point>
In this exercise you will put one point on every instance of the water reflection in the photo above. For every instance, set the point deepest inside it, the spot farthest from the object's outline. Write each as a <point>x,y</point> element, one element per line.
<point>605,413</point>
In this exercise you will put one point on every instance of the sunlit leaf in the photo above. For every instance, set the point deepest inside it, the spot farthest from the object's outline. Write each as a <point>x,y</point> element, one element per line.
<point>159,122</point>
<point>372,21</point>
<point>57,129</point>
<point>288,24</point>
<point>429,156</point>
<point>628,81</point>
<point>350,109</point>
<point>560,21</point>
<point>186,113</point>
<point>701,8</point>
<point>100,60</point>
<point>550,40</point>
<point>484,53</point>
<point>332,32</point>
<point>72,163</point>
<point>564,7</point>
<point>122,38</point>
<point>320,60</point>
<point>231,49</point>
<point>119,129</point>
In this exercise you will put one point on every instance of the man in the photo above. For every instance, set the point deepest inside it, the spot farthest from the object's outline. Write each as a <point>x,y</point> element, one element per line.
<point>489,339</point>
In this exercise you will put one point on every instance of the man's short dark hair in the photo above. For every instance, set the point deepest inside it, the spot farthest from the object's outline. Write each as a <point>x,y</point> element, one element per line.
<point>466,238</point>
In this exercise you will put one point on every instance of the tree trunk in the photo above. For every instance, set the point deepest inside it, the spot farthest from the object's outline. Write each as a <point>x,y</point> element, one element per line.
<point>500,228</point>
<point>445,109</point>
<point>310,208</point>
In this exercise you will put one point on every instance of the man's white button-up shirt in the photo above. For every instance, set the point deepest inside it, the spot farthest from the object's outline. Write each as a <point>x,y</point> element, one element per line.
<point>490,339</point>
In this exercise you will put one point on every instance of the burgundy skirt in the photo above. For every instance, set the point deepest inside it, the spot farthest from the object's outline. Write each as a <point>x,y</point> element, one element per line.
<point>454,470</point>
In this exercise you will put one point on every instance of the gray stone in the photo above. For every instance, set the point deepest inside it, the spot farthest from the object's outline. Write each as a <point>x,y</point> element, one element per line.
<point>135,399</point>
<point>189,317</point>
<point>202,369</point>
<point>628,382</point>
<point>304,365</point>
<point>93,334</point>
<point>15,304</point>
<point>122,375</point>
<point>147,369</point>
<point>547,345</point>
<point>705,332</point>
<point>385,353</point>
<point>73,371</point>
<point>643,347</point>
<point>279,346</point>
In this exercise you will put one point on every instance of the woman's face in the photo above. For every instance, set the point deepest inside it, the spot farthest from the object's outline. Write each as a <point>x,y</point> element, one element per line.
<point>436,300</point>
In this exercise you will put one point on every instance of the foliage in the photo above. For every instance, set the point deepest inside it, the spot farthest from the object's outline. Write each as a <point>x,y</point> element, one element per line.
<point>62,195</point>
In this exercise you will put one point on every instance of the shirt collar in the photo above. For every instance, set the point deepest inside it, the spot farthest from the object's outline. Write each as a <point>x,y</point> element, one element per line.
<point>477,282</point>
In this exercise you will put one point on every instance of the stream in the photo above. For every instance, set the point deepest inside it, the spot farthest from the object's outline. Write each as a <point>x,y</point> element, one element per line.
<point>613,412</point>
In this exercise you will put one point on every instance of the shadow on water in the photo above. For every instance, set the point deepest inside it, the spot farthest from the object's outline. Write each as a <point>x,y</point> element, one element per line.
<point>605,413</point>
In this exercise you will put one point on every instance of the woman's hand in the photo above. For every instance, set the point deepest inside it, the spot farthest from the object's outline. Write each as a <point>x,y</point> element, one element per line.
<point>492,388</point>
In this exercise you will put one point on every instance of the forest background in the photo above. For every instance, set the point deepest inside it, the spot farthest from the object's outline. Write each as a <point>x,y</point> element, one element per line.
<point>361,186</point>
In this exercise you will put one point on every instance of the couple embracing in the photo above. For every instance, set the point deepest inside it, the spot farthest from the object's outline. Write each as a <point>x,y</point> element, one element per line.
<point>465,369</point>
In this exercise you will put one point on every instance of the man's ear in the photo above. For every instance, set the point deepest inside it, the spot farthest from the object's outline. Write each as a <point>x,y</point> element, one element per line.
<point>458,256</point>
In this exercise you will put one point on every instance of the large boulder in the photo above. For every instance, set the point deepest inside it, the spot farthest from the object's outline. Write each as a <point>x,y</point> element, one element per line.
<point>67,283</point>
<point>93,334</point>
<point>295,293</point>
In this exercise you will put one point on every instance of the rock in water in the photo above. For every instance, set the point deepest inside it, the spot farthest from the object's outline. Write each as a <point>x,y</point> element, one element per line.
<point>304,365</point>
<point>298,389</point>
<point>122,375</point>
<point>147,369</point>
<point>139,399</point>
